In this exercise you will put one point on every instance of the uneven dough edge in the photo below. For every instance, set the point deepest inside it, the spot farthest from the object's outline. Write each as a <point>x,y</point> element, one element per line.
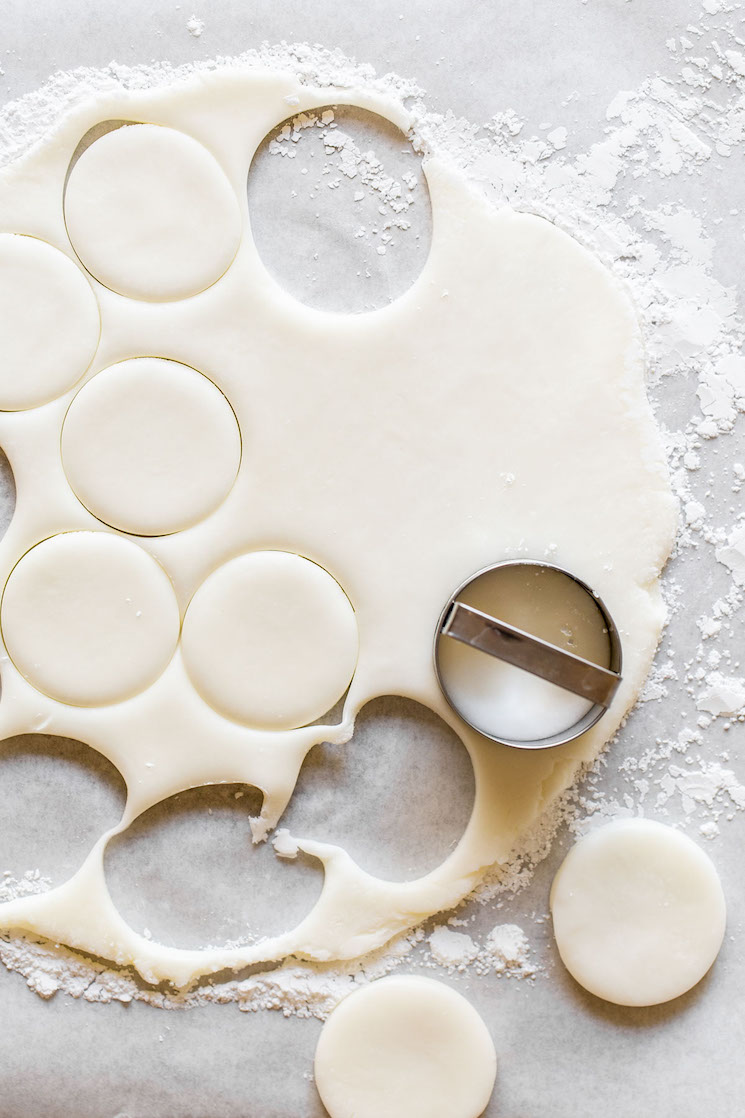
<point>514,787</point>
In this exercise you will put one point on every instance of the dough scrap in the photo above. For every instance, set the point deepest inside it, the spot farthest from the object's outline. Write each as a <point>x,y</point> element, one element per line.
<point>49,322</point>
<point>150,446</point>
<point>375,446</point>
<point>639,913</point>
<point>405,1047</point>
<point>151,214</point>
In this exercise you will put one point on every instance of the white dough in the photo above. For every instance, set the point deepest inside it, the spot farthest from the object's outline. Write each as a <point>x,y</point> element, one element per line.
<point>150,446</point>
<point>89,618</point>
<point>374,444</point>
<point>638,912</point>
<point>151,214</point>
<point>49,322</point>
<point>405,1047</point>
<point>270,639</point>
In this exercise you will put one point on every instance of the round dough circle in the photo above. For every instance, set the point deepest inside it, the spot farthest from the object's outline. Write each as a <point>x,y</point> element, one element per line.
<point>49,322</point>
<point>151,213</point>
<point>638,911</point>
<point>405,1047</point>
<point>89,618</point>
<point>150,446</point>
<point>270,639</point>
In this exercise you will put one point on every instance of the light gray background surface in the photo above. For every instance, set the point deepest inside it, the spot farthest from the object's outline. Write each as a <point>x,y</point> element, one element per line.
<point>562,1052</point>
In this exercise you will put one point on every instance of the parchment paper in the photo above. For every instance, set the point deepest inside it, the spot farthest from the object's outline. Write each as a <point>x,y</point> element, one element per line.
<point>561,1051</point>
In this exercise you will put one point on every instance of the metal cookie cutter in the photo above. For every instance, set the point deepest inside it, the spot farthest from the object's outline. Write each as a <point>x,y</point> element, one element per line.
<point>494,637</point>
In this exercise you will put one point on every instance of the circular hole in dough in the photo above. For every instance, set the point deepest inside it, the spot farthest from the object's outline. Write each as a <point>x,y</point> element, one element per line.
<point>58,797</point>
<point>397,796</point>
<point>270,640</point>
<point>89,618</point>
<point>187,870</point>
<point>150,446</point>
<point>405,1047</point>
<point>638,912</point>
<point>49,322</point>
<point>151,214</point>
<point>319,243</point>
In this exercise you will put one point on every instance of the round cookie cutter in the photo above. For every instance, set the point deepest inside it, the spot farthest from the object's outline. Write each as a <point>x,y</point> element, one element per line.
<point>494,637</point>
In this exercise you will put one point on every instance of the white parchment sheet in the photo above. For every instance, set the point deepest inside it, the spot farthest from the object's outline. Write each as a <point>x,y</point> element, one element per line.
<point>561,1051</point>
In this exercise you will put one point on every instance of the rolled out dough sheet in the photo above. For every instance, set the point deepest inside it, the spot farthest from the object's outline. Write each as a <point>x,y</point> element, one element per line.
<point>375,446</point>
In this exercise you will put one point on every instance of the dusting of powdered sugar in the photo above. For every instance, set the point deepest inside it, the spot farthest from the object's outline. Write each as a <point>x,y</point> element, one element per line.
<point>346,160</point>
<point>637,197</point>
<point>195,26</point>
<point>505,950</point>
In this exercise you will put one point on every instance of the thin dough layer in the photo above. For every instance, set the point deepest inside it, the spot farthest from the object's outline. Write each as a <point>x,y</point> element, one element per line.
<point>376,446</point>
<point>151,214</point>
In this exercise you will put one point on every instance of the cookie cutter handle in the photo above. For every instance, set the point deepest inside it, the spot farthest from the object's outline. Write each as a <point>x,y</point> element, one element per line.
<point>523,650</point>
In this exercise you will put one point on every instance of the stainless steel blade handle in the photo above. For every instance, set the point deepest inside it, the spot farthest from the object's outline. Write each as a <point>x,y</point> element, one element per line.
<point>523,650</point>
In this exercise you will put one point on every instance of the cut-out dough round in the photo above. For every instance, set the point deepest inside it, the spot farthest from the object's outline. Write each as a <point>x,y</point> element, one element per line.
<point>150,446</point>
<point>638,911</point>
<point>49,322</point>
<point>270,639</point>
<point>151,213</point>
<point>89,618</point>
<point>405,1047</point>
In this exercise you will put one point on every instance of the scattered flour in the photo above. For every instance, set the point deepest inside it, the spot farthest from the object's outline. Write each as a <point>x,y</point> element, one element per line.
<point>504,951</point>
<point>195,26</point>
<point>452,949</point>
<point>346,158</point>
<point>508,951</point>
<point>732,555</point>
<point>635,197</point>
<point>722,694</point>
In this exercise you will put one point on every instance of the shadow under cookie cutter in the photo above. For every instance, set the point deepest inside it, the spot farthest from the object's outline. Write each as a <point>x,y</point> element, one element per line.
<point>494,637</point>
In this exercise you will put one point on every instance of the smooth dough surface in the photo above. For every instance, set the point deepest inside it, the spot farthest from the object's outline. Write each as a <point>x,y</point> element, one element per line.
<point>151,214</point>
<point>638,911</point>
<point>150,446</point>
<point>49,322</point>
<point>89,618</point>
<point>405,1047</point>
<point>494,410</point>
<point>270,639</point>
